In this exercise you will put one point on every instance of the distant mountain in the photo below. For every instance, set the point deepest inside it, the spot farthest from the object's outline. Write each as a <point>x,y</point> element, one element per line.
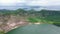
<point>26,7</point>
<point>22,7</point>
<point>52,7</point>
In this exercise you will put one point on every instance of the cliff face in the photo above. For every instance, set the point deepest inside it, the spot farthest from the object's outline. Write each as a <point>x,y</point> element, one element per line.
<point>12,22</point>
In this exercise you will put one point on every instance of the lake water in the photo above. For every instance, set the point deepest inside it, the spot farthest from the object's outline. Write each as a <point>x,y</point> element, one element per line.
<point>36,29</point>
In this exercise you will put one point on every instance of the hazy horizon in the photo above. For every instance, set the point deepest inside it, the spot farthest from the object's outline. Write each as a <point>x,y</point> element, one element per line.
<point>48,4</point>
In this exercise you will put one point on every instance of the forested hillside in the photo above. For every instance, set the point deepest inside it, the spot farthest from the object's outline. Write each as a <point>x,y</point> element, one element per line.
<point>28,16</point>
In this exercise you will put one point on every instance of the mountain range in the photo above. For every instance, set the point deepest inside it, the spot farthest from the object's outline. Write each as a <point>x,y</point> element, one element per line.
<point>31,7</point>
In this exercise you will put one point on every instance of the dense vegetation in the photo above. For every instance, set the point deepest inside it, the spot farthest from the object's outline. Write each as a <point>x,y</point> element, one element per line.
<point>32,16</point>
<point>44,16</point>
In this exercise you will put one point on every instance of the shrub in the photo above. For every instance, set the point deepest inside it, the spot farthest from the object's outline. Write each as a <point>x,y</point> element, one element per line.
<point>33,20</point>
<point>57,24</point>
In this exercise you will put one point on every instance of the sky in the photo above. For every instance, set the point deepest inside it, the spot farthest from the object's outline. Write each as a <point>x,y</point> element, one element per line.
<point>30,2</point>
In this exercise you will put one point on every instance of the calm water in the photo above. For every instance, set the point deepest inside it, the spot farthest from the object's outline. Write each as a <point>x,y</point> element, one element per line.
<point>36,29</point>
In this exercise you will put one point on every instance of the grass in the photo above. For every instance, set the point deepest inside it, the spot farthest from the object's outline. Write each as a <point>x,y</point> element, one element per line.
<point>2,32</point>
<point>49,20</point>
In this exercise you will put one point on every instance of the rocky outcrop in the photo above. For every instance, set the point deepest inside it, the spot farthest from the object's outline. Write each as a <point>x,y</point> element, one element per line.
<point>12,23</point>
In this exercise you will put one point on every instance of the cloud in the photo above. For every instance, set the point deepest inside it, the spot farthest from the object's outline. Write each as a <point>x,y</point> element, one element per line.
<point>7,2</point>
<point>44,2</point>
<point>30,2</point>
<point>37,2</point>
